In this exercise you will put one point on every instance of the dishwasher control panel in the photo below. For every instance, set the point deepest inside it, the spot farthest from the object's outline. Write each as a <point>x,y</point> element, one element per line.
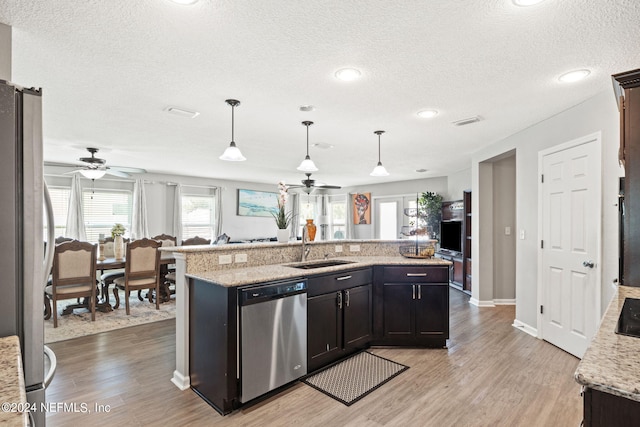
<point>269,291</point>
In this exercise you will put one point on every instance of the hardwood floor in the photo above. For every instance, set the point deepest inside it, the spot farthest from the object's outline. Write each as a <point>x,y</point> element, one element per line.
<point>491,374</point>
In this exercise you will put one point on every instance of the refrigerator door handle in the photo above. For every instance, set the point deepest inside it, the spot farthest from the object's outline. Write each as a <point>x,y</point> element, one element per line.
<point>53,365</point>
<point>51,235</point>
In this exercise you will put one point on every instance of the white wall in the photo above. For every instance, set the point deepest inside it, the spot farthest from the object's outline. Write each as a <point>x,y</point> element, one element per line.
<point>457,183</point>
<point>160,192</point>
<point>597,114</point>
<point>504,215</point>
<point>5,52</point>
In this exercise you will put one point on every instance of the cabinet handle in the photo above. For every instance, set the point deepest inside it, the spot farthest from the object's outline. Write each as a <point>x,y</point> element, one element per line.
<point>343,278</point>
<point>327,346</point>
<point>413,292</point>
<point>346,294</point>
<point>419,291</point>
<point>416,274</point>
<point>340,300</point>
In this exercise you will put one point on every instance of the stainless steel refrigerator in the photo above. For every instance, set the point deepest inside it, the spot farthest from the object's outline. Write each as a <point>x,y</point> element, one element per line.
<point>24,265</point>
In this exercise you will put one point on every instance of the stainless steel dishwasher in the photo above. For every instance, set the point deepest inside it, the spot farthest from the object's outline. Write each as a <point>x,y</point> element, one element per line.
<point>273,336</point>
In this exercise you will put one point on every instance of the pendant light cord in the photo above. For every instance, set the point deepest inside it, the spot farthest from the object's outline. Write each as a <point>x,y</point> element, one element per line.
<point>307,141</point>
<point>378,148</point>
<point>233,107</point>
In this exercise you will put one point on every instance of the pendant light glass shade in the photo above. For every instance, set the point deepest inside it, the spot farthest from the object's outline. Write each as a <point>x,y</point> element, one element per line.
<point>379,170</point>
<point>232,153</point>
<point>307,164</point>
<point>92,173</point>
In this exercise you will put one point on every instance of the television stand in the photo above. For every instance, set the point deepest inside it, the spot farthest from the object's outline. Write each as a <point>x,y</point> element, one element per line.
<point>455,273</point>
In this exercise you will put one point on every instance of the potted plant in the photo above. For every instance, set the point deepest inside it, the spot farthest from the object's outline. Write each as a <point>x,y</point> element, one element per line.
<point>430,206</point>
<point>283,219</point>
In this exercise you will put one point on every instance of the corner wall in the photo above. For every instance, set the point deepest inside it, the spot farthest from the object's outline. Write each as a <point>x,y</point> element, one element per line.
<point>5,52</point>
<point>597,114</point>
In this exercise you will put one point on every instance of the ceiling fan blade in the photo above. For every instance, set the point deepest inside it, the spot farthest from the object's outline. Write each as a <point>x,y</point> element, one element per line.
<point>71,172</point>
<point>328,186</point>
<point>111,171</point>
<point>126,169</point>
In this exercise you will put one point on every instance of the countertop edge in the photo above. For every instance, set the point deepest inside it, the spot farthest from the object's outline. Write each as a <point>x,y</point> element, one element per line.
<point>273,272</point>
<point>12,387</point>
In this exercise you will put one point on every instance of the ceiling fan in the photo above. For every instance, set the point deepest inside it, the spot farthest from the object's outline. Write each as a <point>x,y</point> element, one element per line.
<point>308,185</point>
<point>95,168</point>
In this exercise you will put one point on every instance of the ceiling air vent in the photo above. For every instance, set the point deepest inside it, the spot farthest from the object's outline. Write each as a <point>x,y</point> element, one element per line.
<point>467,121</point>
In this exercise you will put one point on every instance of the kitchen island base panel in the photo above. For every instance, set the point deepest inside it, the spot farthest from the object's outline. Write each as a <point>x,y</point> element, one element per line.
<point>607,410</point>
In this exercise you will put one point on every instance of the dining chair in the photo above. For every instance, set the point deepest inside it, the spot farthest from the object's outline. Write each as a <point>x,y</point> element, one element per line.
<point>142,271</point>
<point>166,240</point>
<point>106,279</point>
<point>74,275</point>
<point>170,278</point>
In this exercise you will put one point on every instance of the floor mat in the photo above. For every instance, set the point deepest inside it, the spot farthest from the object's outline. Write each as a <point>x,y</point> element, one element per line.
<point>355,377</point>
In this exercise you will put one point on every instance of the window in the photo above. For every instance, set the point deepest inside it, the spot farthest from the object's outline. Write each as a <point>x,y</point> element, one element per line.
<point>337,219</point>
<point>198,216</point>
<point>60,203</point>
<point>103,209</point>
<point>388,220</point>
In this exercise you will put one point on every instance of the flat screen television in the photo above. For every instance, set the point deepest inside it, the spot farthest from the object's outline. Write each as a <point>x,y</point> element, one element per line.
<point>451,236</point>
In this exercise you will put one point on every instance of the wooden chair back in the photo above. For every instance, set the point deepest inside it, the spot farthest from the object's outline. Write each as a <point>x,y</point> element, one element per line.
<point>108,246</point>
<point>143,259</point>
<point>196,241</point>
<point>166,239</point>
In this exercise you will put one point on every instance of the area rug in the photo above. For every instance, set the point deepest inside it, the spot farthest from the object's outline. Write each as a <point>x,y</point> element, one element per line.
<point>355,377</point>
<point>79,323</point>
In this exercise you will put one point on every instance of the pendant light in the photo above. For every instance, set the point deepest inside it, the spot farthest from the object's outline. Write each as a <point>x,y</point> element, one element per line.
<point>307,164</point>
<point>379,170</point>
<point>232,153</point>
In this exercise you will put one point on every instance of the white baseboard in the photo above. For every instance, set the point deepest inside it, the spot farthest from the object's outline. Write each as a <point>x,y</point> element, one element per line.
<point>181,381</point>
<point>504,301</point>
<point>478,303</point>
<point>525,328</point>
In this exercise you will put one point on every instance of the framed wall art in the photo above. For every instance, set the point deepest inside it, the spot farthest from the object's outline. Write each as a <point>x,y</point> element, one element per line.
<point>257,203</point>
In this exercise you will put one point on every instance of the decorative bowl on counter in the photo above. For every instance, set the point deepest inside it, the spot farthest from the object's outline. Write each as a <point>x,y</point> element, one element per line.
<point>419,250</point>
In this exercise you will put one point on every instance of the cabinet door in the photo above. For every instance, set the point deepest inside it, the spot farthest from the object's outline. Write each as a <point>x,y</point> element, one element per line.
<point>397,313</point>
<point>432,314</point>
<point>357,316</point>
<point>324,329</point>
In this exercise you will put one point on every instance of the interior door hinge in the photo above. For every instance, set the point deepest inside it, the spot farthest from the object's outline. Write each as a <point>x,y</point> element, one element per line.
<point>542,178</point>
<point>541,244</point>
<point>542,309</point>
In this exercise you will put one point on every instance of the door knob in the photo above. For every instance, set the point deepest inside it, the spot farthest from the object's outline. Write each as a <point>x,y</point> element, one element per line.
<point>588,264</point>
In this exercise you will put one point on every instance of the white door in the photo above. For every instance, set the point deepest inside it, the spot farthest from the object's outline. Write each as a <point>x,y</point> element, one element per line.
<point>570,230</point>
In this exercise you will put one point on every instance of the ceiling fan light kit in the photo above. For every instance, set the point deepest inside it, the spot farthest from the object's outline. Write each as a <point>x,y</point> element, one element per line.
<point>307,164</point>
<point>93,173</point>
<point>379,170</point>
<point>232,153</point>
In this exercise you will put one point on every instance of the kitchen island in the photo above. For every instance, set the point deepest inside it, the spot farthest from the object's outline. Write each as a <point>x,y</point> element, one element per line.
<point>208,272</point>
<point>610,371</point>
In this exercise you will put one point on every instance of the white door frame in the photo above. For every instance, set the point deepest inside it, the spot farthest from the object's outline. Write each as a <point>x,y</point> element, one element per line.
<point>597,139</point>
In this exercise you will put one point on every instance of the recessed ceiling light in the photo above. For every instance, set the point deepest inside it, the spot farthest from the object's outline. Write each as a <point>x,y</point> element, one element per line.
<point>574,76</point>
<point>421,170</point>
<point>182,112</point>
<point>526,2</point>
<point>427,114</point>
<point>307,108</point>
<point>348,74</point>
<point>185,2</point>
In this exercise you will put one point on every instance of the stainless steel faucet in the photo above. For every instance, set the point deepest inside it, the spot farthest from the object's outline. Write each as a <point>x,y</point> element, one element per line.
<point>305,249</point>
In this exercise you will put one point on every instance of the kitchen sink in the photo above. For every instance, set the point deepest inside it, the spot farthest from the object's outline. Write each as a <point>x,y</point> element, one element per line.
<point>319,264</point>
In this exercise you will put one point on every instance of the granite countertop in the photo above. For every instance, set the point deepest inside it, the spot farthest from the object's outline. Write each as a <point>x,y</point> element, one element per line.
<point>12,389</point>
<point>611,364</point>
<point>263,245</point>
<point>268,273</point>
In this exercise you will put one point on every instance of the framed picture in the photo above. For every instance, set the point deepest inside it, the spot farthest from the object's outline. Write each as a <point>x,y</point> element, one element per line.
<point>257,203</point>
<point>361,208</point>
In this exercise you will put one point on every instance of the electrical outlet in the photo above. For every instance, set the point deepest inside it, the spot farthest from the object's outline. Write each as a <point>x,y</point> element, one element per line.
<point>354,248</point>
<point>241,258</point>
<point>224,259</point>
<point>338,248</point>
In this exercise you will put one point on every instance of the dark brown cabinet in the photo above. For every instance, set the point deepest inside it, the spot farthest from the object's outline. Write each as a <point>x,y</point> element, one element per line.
<point>414,307</point>
<point>340,320</point>
<point>627,86</point>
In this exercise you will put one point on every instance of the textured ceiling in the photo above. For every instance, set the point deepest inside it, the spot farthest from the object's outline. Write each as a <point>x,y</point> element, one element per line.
<point>109,69</point>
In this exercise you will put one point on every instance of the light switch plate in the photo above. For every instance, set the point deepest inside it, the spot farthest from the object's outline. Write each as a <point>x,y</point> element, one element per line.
<point>522,234</point>
<point>338,248</point>
<point>241,257</point>
<point>354,248</point>
<point>507,231</point>
<point>224,259</point>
